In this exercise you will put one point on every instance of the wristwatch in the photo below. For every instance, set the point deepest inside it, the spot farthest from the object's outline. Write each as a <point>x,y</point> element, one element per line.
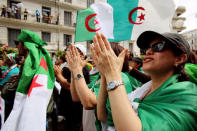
<point>113,85</point>
<point>78,76</point>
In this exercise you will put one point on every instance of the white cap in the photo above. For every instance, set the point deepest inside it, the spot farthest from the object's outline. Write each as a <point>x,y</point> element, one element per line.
<point>81,48</point>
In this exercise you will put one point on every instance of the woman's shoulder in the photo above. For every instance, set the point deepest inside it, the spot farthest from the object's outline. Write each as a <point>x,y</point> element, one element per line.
<point>185,85</point>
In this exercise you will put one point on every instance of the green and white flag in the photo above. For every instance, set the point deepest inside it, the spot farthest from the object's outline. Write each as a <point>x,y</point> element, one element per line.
<point>97,18</point>
<point>132,17</point>
<point>34,89</point>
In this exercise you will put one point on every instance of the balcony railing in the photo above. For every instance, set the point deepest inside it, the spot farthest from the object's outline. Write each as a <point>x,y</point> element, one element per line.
<point>18,23</point>
<point>67,4</point>
<point>69,1</point>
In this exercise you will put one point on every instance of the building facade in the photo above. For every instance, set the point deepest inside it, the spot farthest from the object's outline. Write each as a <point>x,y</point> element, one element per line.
<point>178,20</point>
<point>191,37</point>
<point>53,20</point>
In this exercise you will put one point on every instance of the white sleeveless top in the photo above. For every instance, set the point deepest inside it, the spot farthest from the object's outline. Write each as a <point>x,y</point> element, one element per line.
<point>138,93</point>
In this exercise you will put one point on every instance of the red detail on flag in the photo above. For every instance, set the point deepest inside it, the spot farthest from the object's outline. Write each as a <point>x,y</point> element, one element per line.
<point>141,17</point>
<point>34,85</point>
<point>43,63</point>
<point>87,23</point>
<point>96,22</point>
<point>131,13</point>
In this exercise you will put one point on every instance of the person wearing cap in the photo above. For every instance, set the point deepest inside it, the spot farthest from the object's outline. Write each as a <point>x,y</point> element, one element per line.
<point>167,102</point>
<point>83,51</point>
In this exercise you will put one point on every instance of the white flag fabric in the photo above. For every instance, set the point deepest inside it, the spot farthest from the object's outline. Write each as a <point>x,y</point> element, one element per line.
<point>132,17</point>
<point>34,89</point>
<point>97,18</point>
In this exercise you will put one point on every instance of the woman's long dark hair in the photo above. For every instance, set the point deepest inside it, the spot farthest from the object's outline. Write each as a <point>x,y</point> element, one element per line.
<point>180,69</point>
<point>193,57</point>
<point>118,49</point>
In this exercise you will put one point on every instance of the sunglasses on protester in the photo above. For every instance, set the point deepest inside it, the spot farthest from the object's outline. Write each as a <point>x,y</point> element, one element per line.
<point>158,47</point>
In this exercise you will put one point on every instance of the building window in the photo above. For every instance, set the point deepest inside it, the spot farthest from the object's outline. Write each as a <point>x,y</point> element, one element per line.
<point>67,18</point>
<point>89,2</point>
<point>67,39</point>
<point>46,36</point>
<point>69,1</point>
<point>12,35</point>
<point>46,13</point>
<point>12,4</point>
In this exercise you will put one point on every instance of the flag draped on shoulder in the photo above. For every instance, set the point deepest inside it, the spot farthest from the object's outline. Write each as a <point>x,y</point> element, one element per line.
<point>132,17</point>
<point>172,106</point>
<point>97,18</point>
<point>34,89</point>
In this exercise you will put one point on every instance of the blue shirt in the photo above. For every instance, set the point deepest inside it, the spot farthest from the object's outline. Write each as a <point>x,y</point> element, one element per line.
<point>14,71</point>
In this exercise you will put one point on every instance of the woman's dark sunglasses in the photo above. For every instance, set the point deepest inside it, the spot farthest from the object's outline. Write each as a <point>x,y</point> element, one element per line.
<point>158,47</point>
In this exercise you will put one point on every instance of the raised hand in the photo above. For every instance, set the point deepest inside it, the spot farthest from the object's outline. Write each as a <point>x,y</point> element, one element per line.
<point>75,63</point>
<point>104,57</point>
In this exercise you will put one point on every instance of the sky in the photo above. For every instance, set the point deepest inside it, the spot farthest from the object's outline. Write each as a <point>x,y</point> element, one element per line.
<point>190,14</point>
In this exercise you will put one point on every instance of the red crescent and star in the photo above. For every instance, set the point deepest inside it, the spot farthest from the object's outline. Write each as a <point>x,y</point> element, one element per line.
<point>34,84</point>
<point>88,18</point>
<point>141,17</point>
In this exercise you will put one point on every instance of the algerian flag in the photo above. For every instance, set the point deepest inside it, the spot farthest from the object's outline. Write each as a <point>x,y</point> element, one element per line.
<point>132,17</point>
<point>97,18</point>
<point>34,89</point>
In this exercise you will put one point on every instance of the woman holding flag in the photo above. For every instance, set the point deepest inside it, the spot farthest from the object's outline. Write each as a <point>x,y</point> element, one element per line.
<point>168,102</point>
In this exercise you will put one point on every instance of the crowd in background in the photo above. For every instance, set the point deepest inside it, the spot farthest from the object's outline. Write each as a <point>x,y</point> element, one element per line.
<point>17,11</point>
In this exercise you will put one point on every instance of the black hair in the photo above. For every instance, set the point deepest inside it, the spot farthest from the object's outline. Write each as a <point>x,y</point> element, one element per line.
<point>193,57</point>
<point>18,59</point>
<point>117,50</point>
<point>138,60</point>
<point>180,69</point>
<point>63,58</point>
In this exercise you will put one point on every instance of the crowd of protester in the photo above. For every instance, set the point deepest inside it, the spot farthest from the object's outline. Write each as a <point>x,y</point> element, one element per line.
<point>16,11</point>
<point>114,90</point>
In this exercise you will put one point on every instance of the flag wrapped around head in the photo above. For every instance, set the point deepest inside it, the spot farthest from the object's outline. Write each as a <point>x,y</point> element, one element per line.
<point>34,89</point>
<point>97,18</point>
<point>36,54</point>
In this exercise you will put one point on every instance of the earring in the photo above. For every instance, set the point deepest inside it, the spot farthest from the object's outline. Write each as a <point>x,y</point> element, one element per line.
<point>176,65</point>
